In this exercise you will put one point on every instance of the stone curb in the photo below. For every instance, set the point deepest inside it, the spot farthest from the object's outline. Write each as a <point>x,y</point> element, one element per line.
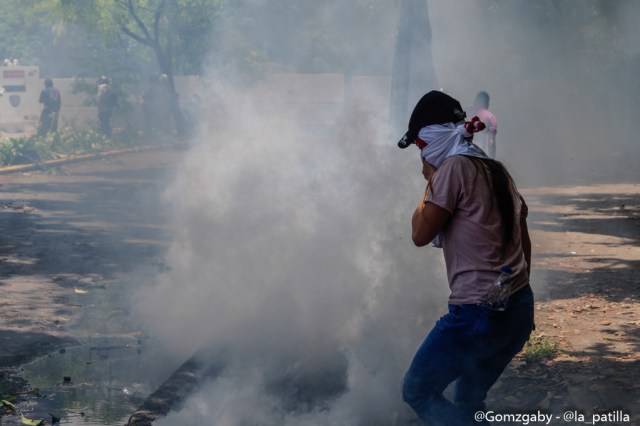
<point>77,159</point>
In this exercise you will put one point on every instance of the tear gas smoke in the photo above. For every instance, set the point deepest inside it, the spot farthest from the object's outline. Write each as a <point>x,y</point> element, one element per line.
<point>560,77</point>
<point>292,261</point>
<point>293,258</point>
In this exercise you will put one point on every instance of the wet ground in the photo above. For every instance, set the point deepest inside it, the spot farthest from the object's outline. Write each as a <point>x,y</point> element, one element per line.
<point>74,237</point>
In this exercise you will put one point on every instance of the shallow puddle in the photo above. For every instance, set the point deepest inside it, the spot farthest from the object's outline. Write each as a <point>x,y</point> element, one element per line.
<point>101,382</point>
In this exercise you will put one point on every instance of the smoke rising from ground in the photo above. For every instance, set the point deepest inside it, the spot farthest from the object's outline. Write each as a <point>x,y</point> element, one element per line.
<point>292,262</point>
<point>293,259</point>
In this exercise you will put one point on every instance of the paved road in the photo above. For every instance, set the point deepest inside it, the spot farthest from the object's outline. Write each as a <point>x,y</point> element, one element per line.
<point>93,225</point>
<point>73,230</point>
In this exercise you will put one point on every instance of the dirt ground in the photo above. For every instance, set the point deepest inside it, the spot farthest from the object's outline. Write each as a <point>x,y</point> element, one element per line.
<point>78,227</point>
<point>586,259</point>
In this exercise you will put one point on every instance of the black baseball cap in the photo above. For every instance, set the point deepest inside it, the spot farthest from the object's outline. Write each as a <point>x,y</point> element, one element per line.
<point>433,108</point>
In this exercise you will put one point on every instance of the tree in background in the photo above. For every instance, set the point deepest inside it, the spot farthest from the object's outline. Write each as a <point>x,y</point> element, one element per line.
<point>305,36</point>
<point>119,38</point>
<point>167,27</point>
<point>134,38</point>
<point>176,33</point>
<point>413,72</point>
<point>28,35</point>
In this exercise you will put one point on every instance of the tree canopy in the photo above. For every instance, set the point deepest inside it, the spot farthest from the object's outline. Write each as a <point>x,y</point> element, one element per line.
<point>137,37</point>
<point>76,37</point>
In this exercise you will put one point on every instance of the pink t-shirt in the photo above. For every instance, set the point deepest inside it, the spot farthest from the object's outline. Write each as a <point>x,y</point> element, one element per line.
<point>472,236</point>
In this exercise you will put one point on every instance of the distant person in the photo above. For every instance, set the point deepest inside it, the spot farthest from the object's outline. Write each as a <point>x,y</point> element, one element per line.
<point>52,101</point>
<point>107,99</point>
<point>487,138</point>
<point>472,209</point>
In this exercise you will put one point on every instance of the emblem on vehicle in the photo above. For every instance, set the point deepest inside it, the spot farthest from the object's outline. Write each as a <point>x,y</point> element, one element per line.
<point>14,100</point>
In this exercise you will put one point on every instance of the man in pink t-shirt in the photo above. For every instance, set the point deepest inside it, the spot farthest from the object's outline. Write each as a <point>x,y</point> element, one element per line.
<point>487,138</point>
<point>472,209</point>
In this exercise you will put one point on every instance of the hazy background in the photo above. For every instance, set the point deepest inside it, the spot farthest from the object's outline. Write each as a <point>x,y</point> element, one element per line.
<point>563,79</point>
<point>292,263</point>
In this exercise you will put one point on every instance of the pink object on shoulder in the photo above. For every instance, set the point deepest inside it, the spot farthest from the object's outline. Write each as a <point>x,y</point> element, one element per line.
<point>489,119</point>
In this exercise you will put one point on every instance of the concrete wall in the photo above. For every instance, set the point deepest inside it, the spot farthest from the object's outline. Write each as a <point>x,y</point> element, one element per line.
<point>313,99</point>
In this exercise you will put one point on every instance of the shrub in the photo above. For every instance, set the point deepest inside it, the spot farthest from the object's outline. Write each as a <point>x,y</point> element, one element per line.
<point>34,149</point>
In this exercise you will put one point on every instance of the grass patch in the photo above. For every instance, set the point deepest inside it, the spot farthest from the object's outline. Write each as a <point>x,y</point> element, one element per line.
<point>539,348</point>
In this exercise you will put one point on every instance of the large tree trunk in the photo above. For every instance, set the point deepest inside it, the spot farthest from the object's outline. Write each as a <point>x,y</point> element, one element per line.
<point>165,61</point>
<point>413,73</point>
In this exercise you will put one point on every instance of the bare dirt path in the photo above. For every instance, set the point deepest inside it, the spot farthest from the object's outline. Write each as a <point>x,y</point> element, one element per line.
<point>586,275</point>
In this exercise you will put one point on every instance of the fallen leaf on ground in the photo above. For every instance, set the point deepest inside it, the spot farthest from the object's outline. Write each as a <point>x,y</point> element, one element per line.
<point>31,422</point>
<point>8,404</point>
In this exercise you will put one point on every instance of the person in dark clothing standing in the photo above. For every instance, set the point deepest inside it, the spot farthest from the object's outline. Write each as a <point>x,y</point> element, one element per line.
<point>107,100</point>
<point>51,100</point>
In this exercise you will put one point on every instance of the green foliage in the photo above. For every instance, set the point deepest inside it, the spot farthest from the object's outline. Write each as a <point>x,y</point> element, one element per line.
<point>346,37</point>
<point>174,33</point>
<point>24,35</point>
<point>539,348</point>
<point>22,150</point>
<point>240,37</point>
<point>7,405</point>
<point>35,149</point>
<point>191,27</point>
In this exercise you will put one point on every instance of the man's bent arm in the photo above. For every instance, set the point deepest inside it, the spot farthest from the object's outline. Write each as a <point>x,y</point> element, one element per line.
<point>427,221</point>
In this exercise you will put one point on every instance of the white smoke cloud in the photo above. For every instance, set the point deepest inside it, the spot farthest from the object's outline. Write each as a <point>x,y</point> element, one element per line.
<point>560,80</point>
<point>292,256</point>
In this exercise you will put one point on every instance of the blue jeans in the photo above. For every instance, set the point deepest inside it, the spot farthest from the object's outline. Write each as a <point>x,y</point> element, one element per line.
<point>472,345</point>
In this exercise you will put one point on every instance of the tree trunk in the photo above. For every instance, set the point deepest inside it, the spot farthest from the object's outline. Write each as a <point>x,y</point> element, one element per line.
<point>413,73</point>
<point>165,61</point>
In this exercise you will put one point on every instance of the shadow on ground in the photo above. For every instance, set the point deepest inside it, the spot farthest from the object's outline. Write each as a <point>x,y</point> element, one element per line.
<point>587,261</point>
<point>101,226</point>
<point>612,224</point>
<point>92,225</point>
